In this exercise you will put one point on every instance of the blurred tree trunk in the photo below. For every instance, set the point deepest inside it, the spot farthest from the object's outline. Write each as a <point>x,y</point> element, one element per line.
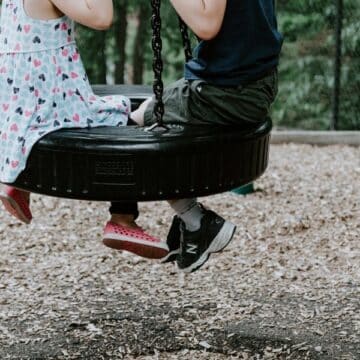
<point>101,58</point>
<point>141,38</point>
<point>92,49</point>
<point>120,29</point>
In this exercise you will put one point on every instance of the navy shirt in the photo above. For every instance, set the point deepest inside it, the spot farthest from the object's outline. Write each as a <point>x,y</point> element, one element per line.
<point>247,46</point>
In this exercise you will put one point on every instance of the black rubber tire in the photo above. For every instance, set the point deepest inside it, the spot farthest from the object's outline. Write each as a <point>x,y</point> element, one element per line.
<point>128,163</point>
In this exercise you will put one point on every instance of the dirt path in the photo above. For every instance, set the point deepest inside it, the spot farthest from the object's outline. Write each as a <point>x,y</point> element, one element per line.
<point>287,287</point>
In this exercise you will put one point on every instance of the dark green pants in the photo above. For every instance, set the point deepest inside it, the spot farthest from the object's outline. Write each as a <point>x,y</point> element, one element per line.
<point>199,103</point>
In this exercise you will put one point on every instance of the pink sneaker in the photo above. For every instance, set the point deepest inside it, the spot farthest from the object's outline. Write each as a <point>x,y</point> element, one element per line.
<point>134,240</point>
<point>16,203</point>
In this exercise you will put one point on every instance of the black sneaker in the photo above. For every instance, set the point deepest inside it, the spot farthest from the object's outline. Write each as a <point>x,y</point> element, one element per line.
<point>195,247</point>
<point>173,241</point>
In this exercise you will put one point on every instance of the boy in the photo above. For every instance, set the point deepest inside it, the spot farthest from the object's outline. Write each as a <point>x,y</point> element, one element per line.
<point>232,81</point>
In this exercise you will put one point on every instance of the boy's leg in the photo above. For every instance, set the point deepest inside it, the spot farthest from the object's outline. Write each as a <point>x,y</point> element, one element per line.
<point>199,103</point>
<point>242,106</point>
<point>189,213</point>
<point>192,233</point>
<point>175,100</point>
<point>201,233</point>
<point>122,233</point>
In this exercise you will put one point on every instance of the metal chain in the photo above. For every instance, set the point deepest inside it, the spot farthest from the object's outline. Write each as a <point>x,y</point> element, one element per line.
<point>186,39</point>
<point>157,62</point>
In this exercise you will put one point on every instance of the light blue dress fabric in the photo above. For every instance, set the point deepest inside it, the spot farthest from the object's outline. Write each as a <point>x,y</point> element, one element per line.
<point>44,86</point>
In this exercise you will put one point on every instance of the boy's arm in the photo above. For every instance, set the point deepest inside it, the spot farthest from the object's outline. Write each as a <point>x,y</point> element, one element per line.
<point>97,14</point>
<point>204,17</point>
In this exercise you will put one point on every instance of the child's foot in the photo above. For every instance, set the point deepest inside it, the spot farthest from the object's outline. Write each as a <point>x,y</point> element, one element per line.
<point>196,247</point>
<point>16,202</point>
<point>135,240</point>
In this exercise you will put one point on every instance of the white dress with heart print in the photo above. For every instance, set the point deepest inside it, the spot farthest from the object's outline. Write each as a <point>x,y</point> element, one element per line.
<point>44,86</point>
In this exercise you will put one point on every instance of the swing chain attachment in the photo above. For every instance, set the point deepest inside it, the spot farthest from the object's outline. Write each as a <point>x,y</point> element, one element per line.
<point>185,39</point>
<point>158,85</point>
<point>158,66</point>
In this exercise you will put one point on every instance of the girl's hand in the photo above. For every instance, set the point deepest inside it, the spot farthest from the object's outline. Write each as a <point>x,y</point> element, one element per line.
<point>96,14</point>
<point>204,17</point>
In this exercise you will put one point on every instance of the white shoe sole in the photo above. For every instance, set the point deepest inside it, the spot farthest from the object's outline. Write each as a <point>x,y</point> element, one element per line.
<point>143,248</point>
<point>130,239</point>
<point>220,242</point>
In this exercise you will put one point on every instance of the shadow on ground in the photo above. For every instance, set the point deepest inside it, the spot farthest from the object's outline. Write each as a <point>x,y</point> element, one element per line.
<point>125,328</point>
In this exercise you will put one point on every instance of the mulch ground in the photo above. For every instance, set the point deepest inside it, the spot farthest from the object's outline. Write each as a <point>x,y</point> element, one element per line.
<point>287,287</point>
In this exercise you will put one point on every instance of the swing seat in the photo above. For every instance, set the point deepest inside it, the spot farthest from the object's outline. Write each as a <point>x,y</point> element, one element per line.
<point>129,163</point>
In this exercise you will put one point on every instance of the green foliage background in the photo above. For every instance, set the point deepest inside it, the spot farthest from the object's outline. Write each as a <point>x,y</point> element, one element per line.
<point>306,68</point>
<point>307,65</point>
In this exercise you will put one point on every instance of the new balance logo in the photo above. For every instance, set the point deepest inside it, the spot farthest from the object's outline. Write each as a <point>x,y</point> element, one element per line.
<point>191,248</point>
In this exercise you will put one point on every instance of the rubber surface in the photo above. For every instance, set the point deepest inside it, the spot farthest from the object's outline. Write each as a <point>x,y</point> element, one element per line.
<point>129,163</point>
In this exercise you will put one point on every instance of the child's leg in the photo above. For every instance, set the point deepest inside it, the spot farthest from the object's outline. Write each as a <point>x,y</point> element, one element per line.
<point>189,211</point>
<point>193,225</point>
<point>188,215</point>
<point>175,99</point>
<point>16,202</point>
<point>125,214</point>
<point>201,232</point>
<point>122,233</point>
<point>212,105</point>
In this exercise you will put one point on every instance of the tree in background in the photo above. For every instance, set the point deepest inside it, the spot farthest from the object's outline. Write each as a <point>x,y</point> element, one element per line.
<point>92,46</point>
<point>119,34</point>
<point>307,65</point>
<point>124,53</point>
<point>141,41</point>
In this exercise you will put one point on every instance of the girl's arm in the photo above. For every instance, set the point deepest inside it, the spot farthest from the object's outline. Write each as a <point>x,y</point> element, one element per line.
<point>97,14</point>
<point>204,17</point>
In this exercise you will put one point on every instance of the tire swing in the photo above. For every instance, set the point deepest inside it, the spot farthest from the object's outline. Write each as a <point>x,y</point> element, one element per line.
<point>133,163</point>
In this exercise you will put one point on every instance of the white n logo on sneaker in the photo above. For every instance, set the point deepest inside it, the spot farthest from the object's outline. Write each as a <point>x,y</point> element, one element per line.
<point>191,248</point>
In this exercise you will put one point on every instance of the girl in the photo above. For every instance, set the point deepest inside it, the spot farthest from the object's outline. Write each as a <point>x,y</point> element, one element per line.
<point>44,87</point>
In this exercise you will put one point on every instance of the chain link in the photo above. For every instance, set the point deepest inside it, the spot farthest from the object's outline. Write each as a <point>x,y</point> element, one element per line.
<point>158,66</point>
<point>157,61</point>
<point>186,39</point>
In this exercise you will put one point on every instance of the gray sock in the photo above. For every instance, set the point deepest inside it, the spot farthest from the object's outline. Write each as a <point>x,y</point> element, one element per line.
<point>189,212</point>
